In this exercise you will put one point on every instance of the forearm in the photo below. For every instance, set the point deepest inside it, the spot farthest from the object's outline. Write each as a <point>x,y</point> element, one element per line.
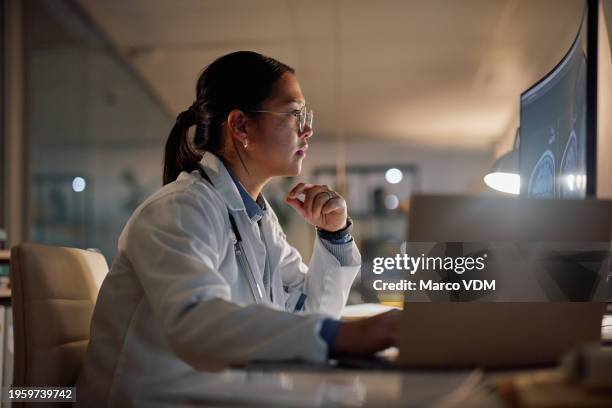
<point>217,333</point>
<point>328,282</point>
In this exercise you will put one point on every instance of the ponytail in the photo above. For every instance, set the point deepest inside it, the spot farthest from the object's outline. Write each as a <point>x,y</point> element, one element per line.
<point>179,154</point>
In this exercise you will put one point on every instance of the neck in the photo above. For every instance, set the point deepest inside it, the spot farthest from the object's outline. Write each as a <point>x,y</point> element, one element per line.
<point>253,181</point>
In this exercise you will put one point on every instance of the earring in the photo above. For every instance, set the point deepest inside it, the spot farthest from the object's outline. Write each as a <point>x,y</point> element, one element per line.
<point>246,143</point>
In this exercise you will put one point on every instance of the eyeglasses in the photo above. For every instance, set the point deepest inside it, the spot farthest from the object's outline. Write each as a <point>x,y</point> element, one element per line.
<point>303,115</point>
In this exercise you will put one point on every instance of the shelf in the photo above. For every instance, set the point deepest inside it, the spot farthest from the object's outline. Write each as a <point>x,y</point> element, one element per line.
<point>5,255</point>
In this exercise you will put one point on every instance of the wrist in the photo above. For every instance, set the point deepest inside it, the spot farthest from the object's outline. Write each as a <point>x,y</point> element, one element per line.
<point>340,342</point>
<point>338,234</point>
<point>329,333</point>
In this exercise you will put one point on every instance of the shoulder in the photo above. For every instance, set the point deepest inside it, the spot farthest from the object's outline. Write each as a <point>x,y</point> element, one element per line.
<point>188,199</point>
<point>187,186</point>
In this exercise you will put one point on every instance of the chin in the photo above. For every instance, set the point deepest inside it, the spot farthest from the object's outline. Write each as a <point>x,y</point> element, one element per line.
<point>294,168</point>
<point>288,168</point>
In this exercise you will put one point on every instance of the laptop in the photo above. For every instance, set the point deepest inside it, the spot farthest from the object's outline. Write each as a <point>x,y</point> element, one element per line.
<point>493,334</point>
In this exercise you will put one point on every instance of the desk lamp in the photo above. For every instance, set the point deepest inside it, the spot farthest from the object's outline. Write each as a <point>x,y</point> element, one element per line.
<point>504,174</point>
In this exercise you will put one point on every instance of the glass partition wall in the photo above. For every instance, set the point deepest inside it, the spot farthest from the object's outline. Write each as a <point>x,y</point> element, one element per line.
<point>2,132</point>
<point>96,131</point>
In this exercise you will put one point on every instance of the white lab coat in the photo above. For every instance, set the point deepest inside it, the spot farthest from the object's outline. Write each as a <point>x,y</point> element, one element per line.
<point>176,301</point>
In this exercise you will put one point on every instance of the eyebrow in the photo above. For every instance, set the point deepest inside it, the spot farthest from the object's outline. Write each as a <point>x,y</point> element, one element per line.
<point>298,101</point>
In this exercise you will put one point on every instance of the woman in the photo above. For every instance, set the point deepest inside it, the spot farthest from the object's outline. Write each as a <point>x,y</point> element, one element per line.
<point>204,277</point>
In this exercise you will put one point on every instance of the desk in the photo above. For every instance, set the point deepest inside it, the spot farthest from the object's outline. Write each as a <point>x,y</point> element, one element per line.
<point>286,385</point>
<point>311,386</point>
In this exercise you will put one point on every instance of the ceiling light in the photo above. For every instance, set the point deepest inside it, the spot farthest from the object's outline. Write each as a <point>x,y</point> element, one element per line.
<point>393,175</point>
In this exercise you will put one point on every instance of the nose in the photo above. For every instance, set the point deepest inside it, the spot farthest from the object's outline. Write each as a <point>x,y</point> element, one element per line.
<point>307,133</point>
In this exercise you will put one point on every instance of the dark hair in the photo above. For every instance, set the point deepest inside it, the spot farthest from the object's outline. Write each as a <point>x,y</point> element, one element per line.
<point>240,80</point>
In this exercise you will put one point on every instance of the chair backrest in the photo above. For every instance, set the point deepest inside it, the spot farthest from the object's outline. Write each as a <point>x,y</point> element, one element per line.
<point>54,291</point>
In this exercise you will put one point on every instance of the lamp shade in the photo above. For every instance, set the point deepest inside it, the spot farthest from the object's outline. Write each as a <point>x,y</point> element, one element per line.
<point>504,174</point>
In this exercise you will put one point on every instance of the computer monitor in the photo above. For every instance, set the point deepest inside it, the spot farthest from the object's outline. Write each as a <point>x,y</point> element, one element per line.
<point>558,127</point>
<point>565,243</point>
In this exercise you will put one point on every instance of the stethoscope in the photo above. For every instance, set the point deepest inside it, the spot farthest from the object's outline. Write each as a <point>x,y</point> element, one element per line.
<point>241,257</point>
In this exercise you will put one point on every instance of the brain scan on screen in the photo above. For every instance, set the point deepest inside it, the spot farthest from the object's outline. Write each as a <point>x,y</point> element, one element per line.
<point>542,179</point>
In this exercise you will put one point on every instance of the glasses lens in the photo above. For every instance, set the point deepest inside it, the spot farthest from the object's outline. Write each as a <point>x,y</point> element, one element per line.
<point>305,117</point>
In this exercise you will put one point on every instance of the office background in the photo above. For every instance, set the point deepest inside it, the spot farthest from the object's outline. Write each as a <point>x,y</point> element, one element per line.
<point>91,89</point>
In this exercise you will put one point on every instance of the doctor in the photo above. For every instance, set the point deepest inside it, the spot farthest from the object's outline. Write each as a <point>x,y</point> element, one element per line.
<point>204,277</point>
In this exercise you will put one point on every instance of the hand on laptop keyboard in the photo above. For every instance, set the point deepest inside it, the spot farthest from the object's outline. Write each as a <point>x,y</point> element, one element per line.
<point>367,336</point>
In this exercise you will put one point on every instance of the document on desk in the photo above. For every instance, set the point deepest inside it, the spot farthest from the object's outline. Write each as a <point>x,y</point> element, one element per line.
<point>338,388</point>
<point>364,310</point>
<point>606,329</point>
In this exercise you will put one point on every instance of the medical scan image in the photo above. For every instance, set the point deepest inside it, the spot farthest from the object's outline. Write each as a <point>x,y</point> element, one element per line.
<point>570,180</point>
<point>542,179</point>
<point>552,146</point>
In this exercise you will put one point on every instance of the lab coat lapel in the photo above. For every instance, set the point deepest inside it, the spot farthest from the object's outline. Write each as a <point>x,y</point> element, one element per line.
<point>268,225</point>
<point>221,179</point>
<point>253,246</point>
<point>259,249</point>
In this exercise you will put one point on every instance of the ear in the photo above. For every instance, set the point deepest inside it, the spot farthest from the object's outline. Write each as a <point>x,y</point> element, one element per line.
<point>237,124</point>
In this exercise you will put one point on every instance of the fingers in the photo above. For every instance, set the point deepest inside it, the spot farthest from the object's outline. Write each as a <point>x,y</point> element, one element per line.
<point>297,205</point>
<point>315,198</point>
<point>322,200</point>
<point>292,198</point>
<point>393,319</point>
<point>336,204</point>
<point>311,195</point>
<point>299,189</point>
<point>369,335</point>
<point>388,326</point>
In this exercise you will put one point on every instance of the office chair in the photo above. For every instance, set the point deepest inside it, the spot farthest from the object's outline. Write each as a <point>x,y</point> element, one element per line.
<point>54,290</point>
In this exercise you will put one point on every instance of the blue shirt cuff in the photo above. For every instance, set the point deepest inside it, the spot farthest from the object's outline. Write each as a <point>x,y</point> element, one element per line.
<point>340,250</point>
<point>343,240</point>
<point>329,331</point>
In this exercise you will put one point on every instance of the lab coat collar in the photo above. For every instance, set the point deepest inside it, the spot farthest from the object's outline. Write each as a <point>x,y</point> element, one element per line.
<point>255,209</point>
<point>224,184</point>
<point>220,177</point>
